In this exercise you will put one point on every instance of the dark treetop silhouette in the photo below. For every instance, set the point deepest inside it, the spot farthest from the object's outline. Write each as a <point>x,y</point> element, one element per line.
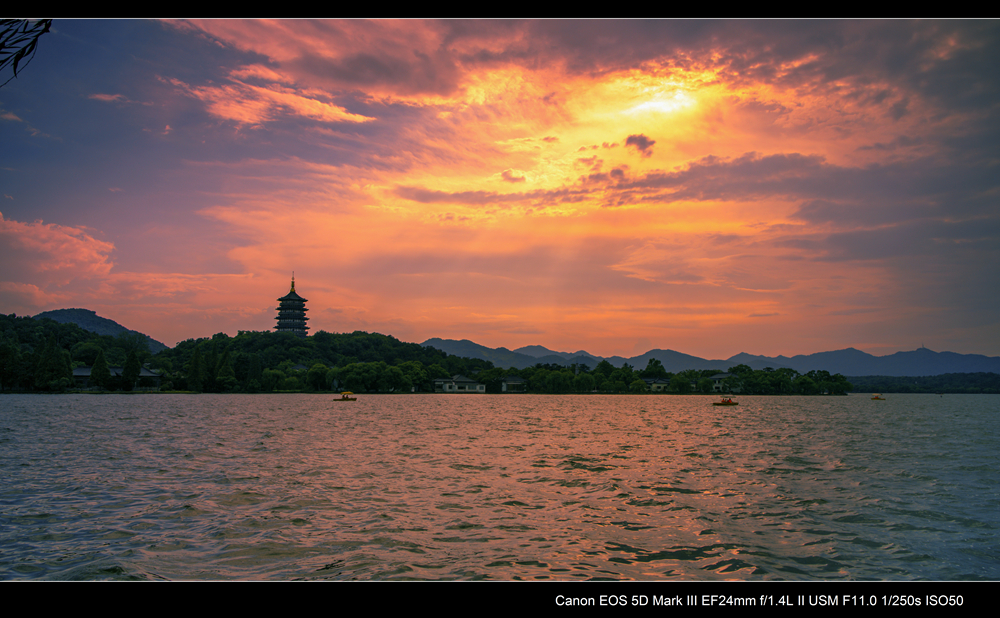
<point>18,40</point>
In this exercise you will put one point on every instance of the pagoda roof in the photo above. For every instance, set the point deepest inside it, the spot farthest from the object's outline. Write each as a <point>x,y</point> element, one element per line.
<point>292,296</point>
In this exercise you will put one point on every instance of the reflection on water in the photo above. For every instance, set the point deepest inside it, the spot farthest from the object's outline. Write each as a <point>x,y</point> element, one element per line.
<point>499,487</point>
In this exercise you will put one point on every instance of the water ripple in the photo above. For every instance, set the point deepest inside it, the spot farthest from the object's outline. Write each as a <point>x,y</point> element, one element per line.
<point>498,487</point>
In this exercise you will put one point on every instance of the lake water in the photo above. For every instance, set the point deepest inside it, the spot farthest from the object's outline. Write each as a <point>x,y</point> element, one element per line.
<point>499,487</point>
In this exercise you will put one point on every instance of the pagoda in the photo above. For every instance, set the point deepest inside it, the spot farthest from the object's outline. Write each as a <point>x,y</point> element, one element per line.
<point>292,313</point>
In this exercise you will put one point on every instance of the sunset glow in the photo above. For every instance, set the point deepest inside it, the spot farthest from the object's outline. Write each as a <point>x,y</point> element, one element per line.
<point>709,187</point>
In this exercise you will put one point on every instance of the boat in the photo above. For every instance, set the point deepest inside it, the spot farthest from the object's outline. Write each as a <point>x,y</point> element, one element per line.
<point>877,397</point>
<point>726,401</point>
<point>346,396</point>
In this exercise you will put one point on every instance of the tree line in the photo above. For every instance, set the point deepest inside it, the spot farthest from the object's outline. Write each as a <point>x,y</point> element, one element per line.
<point>951,383</point>
<point>272,361</point>
<point>606,378</point>
<point>40,354</point>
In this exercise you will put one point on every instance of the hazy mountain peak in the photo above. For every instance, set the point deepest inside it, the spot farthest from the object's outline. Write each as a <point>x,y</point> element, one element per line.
<point>539,351</point>
<point>89,320</point>
<point>848,361</point>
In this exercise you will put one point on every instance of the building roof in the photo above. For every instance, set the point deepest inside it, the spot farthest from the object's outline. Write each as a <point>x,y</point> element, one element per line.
<point>292,296</point>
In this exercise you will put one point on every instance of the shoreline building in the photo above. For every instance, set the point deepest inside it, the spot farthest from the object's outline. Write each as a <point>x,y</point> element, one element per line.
<point>292,313</point>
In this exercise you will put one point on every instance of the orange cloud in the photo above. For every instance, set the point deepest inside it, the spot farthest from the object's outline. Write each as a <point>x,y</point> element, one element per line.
<point>252,105</point>
<point>108,97</point>
<point>53,252</point>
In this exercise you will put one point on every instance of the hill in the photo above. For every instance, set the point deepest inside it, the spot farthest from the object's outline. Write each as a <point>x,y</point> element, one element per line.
<point>90,321</point>
<point>919,362</point>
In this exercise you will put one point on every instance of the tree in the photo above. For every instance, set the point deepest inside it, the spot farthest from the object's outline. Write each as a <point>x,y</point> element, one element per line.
<point>317,377</point>
<point>538,382</point>
<point>19,40</point>
<point>806,385</point>
<point>782,380</point>
<point>100,375</point>
<point>654,369</point>
<point>604,369</point>
<point>396,380</point>
<point>638,386</point>
<point>131,371</point>
<point>740,370</point>
<point>705,385</point>
<point>196,372</point>
<point>133,341</point>
<point>10,361</point>
<point>52,370</point>
<point>560,382</point>
<point>225,376</point>
<point>619,375</point>
<point>86,352</point>
<point>255,375</point>
<point>680,384</point>
<point>416,373</point>
<point>271,379</point>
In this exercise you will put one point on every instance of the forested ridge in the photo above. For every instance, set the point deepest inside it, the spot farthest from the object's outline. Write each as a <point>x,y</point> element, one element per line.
<point>40,354</point>
<point>268,361</point>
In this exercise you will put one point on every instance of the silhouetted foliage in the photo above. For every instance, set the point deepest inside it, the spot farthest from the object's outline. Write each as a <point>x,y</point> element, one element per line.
<point>19,40</point>
<point>131,371</point>
<point>100,375</point>
<point>944,383</point>
<point>268,361</point>
<point>53,371</point>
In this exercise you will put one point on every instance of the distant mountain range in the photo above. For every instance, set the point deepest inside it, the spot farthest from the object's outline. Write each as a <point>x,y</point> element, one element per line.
<point>849,362</point>
<point>89,320</point>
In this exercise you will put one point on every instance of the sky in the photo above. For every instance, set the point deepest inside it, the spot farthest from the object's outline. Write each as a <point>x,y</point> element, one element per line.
<point>711,187</point>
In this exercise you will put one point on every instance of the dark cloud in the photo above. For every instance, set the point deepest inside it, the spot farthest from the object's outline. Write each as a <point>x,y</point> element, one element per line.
<point>828,194</point>
<point>898,109</point>
<point>923,186</point>
<point>903,141</point>
<point>641,143</point>
<point>750,176</point>
<point>791,52</point>
<point>416,73</point>
<point>966,242</point>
